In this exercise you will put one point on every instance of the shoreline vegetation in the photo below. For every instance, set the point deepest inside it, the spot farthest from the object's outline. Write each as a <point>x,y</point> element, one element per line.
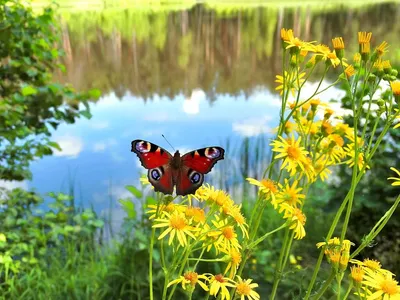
<point>187,4</point>
<point>291,240</point>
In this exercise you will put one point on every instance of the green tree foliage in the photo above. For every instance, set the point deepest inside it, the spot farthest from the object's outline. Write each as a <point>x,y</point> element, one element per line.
<point>31,105</point>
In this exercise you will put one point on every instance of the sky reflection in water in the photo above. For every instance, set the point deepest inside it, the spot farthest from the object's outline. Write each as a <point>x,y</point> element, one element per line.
<point>227,72</point>
<point>96,152</point>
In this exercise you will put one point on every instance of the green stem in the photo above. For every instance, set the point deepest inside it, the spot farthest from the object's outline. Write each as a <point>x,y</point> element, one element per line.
<point>259,240</point>
<point>339,281</point>
<point>377,228</point>
<point>348,290</point>
<point>153,231</point>
<point>278,268</point>
<point>325,286</point>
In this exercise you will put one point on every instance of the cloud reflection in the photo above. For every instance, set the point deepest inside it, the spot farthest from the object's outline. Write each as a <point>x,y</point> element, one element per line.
<point>252,127</point>
<point>71,146</point>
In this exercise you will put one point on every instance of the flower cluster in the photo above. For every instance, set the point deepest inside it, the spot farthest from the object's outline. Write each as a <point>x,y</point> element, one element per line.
<point>337,253</point>
<point>219,285</point>
<point>371,281</point>
<point>211,222</point>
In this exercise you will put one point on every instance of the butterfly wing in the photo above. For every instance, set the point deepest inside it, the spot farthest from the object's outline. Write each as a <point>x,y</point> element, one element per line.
<point>157,161</point>
<point>194,165</point>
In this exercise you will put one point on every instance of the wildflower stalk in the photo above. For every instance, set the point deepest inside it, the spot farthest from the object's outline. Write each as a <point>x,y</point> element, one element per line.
<point>327,283</point>
<point>348,290</point>
<point>260,239</point>
<point>338,281</point>
<point>341,208</point>
<point>278,269</point>
<point>377,228</point>
<point>153,231</point>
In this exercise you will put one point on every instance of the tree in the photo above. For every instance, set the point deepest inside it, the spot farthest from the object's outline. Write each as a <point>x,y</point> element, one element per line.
<point>31,105</point>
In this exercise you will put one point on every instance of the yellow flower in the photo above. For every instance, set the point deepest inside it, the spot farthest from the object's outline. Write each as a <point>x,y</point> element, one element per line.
<point>240,220</point>
<point>221,198</point>
<point>387,67</point>
<point>395,85</point>
<point>338,43</point>
<point>170,207</point>
<point>396,179</point>
<point>219,282</point>
<point>364,37</point>
<point>349,71</point>
<point>335,243</point>
<point>204,192</point>
<point>365,48</point>
<point>245,289</point>
<point>196,214</point>
<point>309,170</point>
<point>371,264</point>
<point>177,225</point>
<point>268,187</point>
<point>357,274</point>
<point>286,34</point>
<point>382,48</point>
<point>234,259</point>
<point>321,49</point>
<point>292,153</point>
<point>360,161</point>
<point>290,194</point>
<point>384,286</point>
<point>190,278</point>
<point>224,234</point>
<point>296,220</point>
<point>321,169</point>
<point>289,81</point>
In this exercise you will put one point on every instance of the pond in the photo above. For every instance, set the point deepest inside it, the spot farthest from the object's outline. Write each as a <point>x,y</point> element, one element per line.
<point>201,75</point>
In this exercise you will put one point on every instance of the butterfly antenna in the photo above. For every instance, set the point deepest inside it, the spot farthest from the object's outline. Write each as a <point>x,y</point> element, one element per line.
<point>168,142</point>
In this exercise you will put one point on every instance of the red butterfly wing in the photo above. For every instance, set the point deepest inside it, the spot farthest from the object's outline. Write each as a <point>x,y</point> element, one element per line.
<point>202,160</point>
<point>194,165</point>
<point>157,160</point>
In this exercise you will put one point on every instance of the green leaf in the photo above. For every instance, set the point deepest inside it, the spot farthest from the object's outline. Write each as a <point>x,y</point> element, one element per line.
<point>54,145</point>
<point>28,90</point>
<point>150,201</point>
<point>86,114</point>
<point>94,93</point>
<point>98,223</point>
<point>134,191</point>
<point>129,207</point>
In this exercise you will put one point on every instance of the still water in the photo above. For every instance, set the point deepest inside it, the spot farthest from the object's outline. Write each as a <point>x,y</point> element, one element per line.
<point>200,75</point>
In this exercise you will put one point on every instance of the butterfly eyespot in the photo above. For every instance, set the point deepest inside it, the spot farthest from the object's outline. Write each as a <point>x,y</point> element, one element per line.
<point>195,177</point>
<point>155,174</point>
<point>212,152</point>
<point>143,147</point>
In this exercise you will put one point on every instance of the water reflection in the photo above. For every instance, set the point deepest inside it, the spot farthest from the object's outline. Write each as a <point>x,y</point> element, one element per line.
<point>201,76</point>
<point>219,50</point>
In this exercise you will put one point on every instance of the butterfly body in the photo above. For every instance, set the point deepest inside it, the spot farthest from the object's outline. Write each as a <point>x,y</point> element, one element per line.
<point>185,172</point>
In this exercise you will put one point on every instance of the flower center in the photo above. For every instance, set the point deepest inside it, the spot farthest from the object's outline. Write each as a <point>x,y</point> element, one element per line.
<point>293,152</point>
<point>389,286</point>
<point>228,233</point>
<point>243,288</point>
<point>270,185</point>
<point>236,257</point>
<point>219,278</point>
<point>192,277</point>
<point>177,222</point>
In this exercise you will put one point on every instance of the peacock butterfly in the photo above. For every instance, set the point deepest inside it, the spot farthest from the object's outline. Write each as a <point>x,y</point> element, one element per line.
<point>166,171</point>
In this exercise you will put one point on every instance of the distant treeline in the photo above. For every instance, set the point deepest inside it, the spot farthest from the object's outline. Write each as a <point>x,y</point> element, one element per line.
<point>168,52</point>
